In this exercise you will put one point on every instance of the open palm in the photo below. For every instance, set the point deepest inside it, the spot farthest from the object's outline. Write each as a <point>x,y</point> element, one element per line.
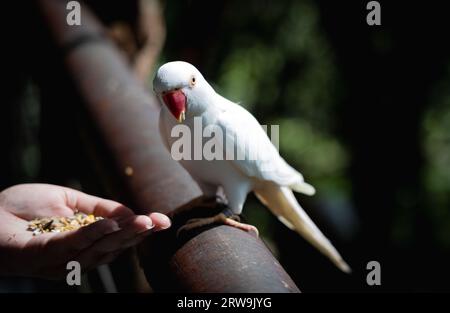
<point>46,255</point>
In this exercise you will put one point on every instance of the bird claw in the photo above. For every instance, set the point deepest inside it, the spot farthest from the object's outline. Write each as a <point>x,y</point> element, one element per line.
<point>195,223</point>
<point>234,217</point>
<point>225,217</point>
<point>221,218</point>
<point>234,221</point>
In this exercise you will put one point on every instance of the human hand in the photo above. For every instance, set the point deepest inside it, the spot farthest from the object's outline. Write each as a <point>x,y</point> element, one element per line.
<point>46,255</point>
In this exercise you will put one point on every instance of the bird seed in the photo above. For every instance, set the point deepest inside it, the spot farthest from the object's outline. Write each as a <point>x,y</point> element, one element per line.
<point>56,224</point>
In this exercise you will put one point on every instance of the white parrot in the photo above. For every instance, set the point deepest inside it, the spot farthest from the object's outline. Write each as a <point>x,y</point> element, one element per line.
<point>185,95</point>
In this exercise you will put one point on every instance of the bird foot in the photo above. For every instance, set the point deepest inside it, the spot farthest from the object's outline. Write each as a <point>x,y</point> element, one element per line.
<point>245,227</point>
<point>221,218</point>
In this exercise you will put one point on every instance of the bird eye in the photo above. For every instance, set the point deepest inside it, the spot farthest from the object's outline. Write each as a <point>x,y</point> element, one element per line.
<point>193,81</point>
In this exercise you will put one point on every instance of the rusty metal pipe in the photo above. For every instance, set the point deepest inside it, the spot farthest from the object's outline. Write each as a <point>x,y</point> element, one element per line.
<point>220,259</point>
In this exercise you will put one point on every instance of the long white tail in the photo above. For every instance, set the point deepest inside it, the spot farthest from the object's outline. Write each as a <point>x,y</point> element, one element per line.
<point>304,187</point>
<point>281,201</point>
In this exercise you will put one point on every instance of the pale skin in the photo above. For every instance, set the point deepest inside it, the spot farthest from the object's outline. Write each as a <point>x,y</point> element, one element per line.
<point>46,255</point>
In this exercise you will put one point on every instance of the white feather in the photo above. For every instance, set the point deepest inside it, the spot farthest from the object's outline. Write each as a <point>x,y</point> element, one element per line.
<point>261,168</point>
<point>249,139</point>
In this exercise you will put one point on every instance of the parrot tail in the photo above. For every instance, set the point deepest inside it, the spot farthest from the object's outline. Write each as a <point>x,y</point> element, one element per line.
<point>304,188</point>
<point>281,201</point>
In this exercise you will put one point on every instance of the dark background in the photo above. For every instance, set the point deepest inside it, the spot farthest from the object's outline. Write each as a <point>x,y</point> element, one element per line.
<point>364,114</point>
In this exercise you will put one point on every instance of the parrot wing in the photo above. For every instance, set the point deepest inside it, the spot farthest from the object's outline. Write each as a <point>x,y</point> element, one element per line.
<point>254,154</point>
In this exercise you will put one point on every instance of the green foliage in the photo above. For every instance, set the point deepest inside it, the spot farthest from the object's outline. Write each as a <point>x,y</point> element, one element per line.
<point>436,134</point>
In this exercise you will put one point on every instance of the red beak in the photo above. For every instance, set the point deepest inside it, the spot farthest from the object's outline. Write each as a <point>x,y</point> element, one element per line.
<point>176,102</point>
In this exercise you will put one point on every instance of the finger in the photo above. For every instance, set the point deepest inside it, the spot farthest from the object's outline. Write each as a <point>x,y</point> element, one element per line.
<point>136,240</point>
<point>94,256</point>
<point>69,244</point>
<point>88,204</point>
<point>160,221</point>
<point>132,227</point>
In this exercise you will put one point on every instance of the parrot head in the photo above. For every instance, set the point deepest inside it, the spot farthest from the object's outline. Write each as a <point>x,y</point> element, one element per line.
<point>182,89</point>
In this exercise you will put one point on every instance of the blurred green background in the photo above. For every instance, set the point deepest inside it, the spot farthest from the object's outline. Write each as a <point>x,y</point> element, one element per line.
<point>363,113</point>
